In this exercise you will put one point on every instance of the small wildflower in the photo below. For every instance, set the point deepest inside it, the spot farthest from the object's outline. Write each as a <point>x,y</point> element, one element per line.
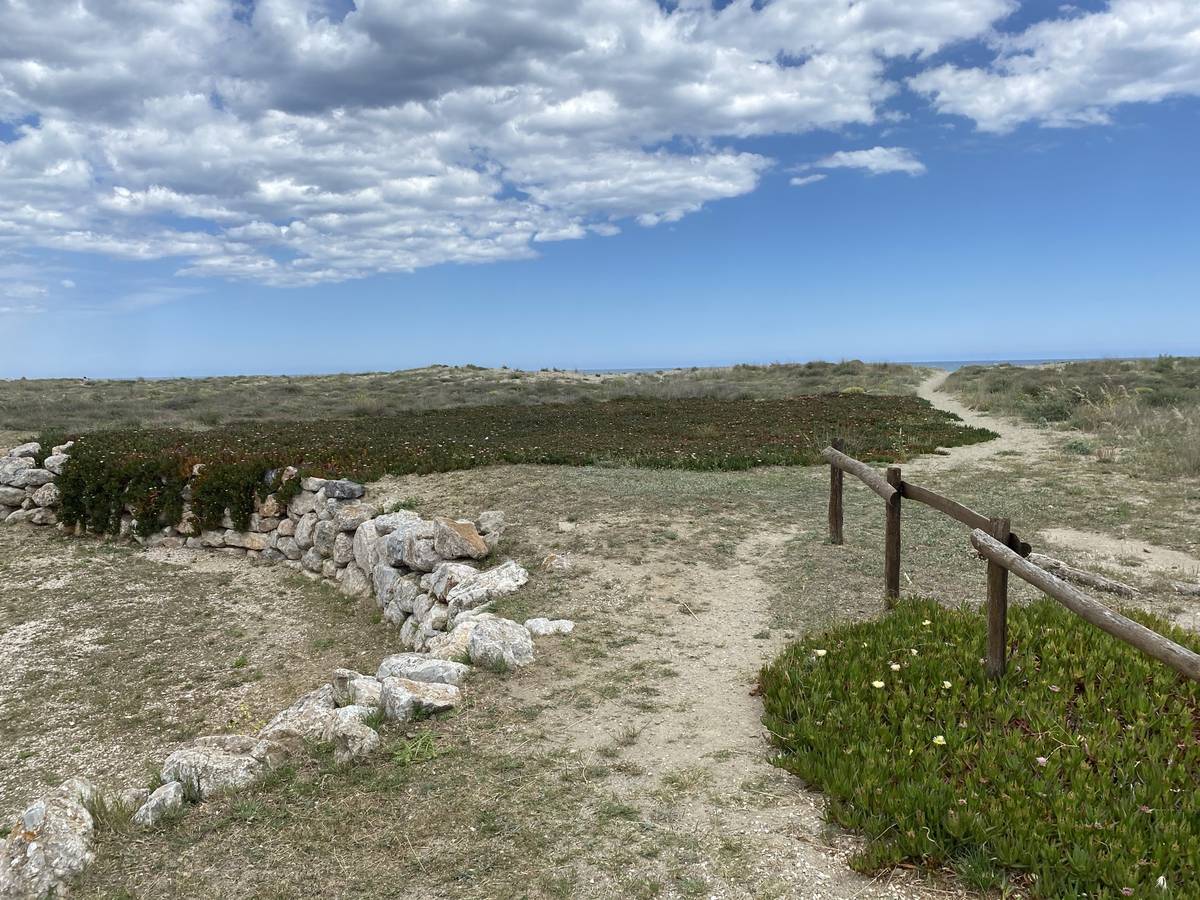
<point>895,667</point>
<point>1055,688</point>
<point>1041,760</point>
<point>1127,891</point>
<point>913,651</point>
<point>820,652</point>
<point>876,684</point>
<point>946,685</point>
<point>927,622</point>
<point>939,740</point>
<point>1162,882</point>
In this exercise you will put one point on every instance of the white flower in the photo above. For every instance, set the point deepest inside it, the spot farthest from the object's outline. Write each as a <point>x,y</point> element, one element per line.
<point>946,685</point>
<point>939,740</point>
<point>913,651</point>
<point>876,684</point>
<point>926,622</point>
<point>895,667</point>
<point>820,652</point>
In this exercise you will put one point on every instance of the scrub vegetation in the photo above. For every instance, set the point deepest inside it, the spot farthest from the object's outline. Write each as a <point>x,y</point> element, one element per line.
<point>1149,408</point>
<point>83,404</point>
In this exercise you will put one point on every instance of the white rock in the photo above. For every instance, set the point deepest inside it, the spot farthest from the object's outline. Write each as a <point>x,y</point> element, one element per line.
<point>324,534</point>
<point>347,516</point>
<point>12,496</point>
<point>32,449</point>
<point>343,549</point>
<point>366,546</point>
<point>302,504</point>
<point>304,530</point>
<point>389,522</point>
<point>12,466</point>
<point>31,478</point>
<point>220,763</point>
<point>50,845</point>
<point>447,576</point>
<point>43,517</point>
<point>289,548</point>
<point>352,739</point>
<point>247,540</point>
<point>483,587</point>
<point>310,717</point>
<point>343,489</point>
<point>166,799</point>
<point>61,449</point>
<point>491,522</point>
<point>287,527</point>
<point>402,698</point>
<point>354,582</point>
<point>55,463</point>
<point>498,644</point>
<point>312,484</point>
<point>540,627</point>
<point>420,667</point>
<point>312,560</point>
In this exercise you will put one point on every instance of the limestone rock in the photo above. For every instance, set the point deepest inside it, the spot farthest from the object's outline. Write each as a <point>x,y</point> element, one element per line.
<point>219,763</point>
<point>343,694</point>
<point>343,490</point>
<point>500,644</point>
<point>247,540</point>
<point>55,463</point>
<point>304,530</point>
<point>383,581</point>
<point>310,717</point>
<point>31,478</point>
<point>312,484</point>
<point>43,517</point>
<point>485,586</point>
<point>348,516</point>
<point>13,497</point>
<point>389,522</point>
<point>352,738</point>
<point>12,466</point>
<point>166,799</point>
<point>446,577</point>
<point>324,534</point>
<point>540,627</point>
<point>418,551</point>
<point>491,522</point>
<point>287,527</point>
<point>212,538</point>
<point>343,549</point>
<point>32,449</point>
<point>269,507</point>
<point>62,449</point>
<point>49,845</point>
<point>312,560</point>
<point>420,667</point>
<point>355,583</point>
<point>458,540</point>
<point>366,546</point>
<point>401,699</point>
<point>289,548</point>
<point>302,504</point>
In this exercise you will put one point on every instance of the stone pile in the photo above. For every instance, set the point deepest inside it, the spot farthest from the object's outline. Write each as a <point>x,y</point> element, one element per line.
<point>28,493</point>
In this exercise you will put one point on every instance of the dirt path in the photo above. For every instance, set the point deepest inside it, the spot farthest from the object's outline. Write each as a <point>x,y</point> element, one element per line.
<point>1015,437</point>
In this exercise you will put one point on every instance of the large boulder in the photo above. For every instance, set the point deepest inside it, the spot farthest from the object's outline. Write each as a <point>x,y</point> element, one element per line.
<point>366,546</point>
<point>31,478</point>
<point>312,560</point>
<point>49,845</point>
<point>483,587</point>
<point>11,466</point>
<point>349,515</point>
<point>305,526</point>
<point>402,699</point>
<point>324,534</point>
<point>55,463</point>
<point>47,495</point>
<point>420,667</point>
<point>221,763</point>
<point>11,496</point>
<point>389,522</point>
<point>309,718</point>
<point>165,799</point>
<point>302,504</point>
<point>343,490</point>
<point>458,540</point>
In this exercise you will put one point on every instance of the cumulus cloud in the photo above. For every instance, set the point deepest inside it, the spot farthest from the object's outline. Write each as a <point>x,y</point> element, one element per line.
<point>876,160</point>
<point>1076,70</point>
<point>306,141</point>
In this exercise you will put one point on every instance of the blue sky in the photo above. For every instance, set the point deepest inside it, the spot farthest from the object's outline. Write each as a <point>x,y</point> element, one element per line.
<point>988,224</point>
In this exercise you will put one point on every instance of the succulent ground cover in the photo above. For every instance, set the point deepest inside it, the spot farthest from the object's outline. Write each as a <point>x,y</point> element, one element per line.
<point>147,468</point>
<point>1072,776</point>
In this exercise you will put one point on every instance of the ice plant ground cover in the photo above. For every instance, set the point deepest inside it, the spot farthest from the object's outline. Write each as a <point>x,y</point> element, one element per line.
<point>1072,776</point>
<point>146,468</point>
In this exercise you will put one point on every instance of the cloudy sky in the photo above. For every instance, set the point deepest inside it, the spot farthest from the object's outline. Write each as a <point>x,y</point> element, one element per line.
<point>204,186</point>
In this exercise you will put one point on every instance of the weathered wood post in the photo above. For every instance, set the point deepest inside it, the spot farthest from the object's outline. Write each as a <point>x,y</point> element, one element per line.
<point>835,497</point>
<point>891,549</point>
<point>997,606</point>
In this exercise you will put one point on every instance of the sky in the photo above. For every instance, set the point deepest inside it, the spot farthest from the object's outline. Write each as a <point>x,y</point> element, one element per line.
<point>196,187</point>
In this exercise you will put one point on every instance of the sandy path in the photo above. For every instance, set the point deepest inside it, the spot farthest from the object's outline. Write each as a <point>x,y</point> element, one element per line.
<point>1015,437</point>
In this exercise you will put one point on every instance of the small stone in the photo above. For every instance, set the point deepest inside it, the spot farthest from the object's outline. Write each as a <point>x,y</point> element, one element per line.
<point>491,522</point>
<point>343,549</point>
<point>312,560</point>
<point>55,463</point>
<point>446,576</point>
<point>456,540</point>
<point>166,799</point>
<point>540,627</point>
<point>304,530</point>
<point>483,587</point>
<point>43,517</point>
<point>355,583</point>
<point>343,490</point>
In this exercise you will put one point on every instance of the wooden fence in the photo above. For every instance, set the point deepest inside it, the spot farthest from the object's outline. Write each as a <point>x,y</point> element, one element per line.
<point>1004,551</point>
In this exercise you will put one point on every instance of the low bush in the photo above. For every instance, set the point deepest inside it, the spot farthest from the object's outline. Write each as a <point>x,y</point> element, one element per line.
<point>1073,776</point>
<point>148,467</point>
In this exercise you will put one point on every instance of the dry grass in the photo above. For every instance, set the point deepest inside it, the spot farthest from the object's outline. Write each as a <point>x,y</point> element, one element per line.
<point>1149,408</point>
<point>78,405</point>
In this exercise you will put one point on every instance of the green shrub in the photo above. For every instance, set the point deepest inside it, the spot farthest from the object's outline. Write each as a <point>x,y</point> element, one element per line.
<point>147,467</point>
<point>1076,773</point>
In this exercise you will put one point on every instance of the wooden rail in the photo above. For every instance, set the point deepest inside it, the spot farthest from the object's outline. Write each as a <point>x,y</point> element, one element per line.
<point>1005,552</point>
<point>1165,650</point>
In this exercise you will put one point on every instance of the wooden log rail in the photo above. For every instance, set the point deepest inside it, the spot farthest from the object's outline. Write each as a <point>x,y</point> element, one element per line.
<point>1150,642</point>
<point>1005,552</point>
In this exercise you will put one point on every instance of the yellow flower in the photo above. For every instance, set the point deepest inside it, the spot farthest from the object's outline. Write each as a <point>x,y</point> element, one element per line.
<point>876,684</point>
<point>939,740</point>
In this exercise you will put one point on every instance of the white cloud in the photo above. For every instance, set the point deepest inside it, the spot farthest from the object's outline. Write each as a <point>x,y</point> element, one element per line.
<point>876,160</point>
<point>802,180</point>
<point>1076,70</point>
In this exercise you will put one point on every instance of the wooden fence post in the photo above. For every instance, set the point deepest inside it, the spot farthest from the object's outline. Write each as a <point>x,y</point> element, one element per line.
<point>891,549</point>
<point>997,607</point>
<point>835,497</point>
